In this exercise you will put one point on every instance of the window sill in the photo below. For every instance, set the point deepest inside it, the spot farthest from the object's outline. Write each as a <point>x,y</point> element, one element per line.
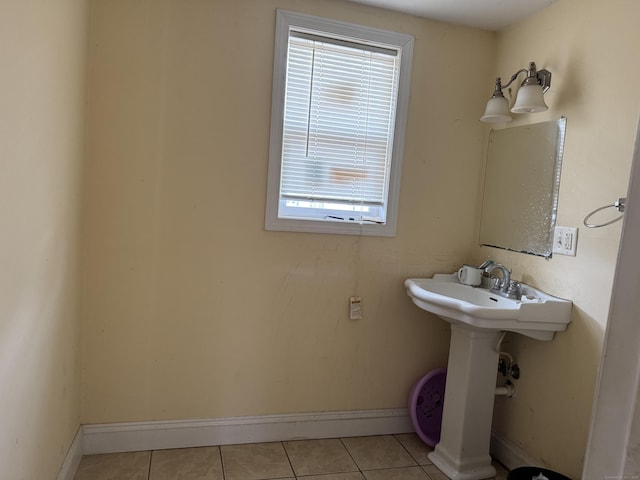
<point>331,227</point>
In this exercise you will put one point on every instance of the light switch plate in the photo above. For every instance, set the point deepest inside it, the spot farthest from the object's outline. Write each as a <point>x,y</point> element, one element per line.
<point>565,240</point>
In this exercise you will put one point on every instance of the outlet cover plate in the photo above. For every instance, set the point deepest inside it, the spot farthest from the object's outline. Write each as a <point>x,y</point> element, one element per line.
<point>565,240</point>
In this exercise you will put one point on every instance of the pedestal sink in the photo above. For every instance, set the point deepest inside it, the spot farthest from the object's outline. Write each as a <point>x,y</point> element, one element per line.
<point>478,317</point>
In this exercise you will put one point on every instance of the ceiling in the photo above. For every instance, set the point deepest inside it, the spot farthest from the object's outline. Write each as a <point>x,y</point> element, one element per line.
<point>486,14</point>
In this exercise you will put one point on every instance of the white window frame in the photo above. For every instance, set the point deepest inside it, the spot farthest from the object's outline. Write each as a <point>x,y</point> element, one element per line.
<point>403,44</point>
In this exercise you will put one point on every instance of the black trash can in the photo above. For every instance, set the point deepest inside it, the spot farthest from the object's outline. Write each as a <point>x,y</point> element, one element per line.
<point>529,473</point>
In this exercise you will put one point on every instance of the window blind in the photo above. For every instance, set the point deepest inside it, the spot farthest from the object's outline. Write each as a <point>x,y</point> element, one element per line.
<point>339,114</point>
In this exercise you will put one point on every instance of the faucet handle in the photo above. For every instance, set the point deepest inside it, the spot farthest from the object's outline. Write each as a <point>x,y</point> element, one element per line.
<point>514,290</point>
<point>486,263</point>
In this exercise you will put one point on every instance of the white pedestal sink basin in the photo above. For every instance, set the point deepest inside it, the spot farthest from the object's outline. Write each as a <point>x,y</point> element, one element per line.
<point>478,318</point>
<point>536,314</point>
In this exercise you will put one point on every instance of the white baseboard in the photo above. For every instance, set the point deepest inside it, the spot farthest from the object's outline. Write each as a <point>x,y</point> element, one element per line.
<point>73,457</point>
<point>136,436</point>
<point>510,455</point>
<point>157,435</point>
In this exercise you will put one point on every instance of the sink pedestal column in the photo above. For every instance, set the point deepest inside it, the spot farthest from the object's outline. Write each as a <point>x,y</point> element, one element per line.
<point>463,451</point>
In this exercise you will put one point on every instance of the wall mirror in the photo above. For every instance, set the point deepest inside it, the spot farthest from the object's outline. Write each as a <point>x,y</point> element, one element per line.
<point>522,182</point>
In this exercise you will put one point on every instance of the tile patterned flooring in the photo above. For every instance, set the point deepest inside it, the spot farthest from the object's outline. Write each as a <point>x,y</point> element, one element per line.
<point>384,457</point>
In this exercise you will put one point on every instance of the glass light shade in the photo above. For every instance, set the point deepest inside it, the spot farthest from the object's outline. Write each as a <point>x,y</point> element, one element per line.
<point>529,100</point>
<point>497,111</point>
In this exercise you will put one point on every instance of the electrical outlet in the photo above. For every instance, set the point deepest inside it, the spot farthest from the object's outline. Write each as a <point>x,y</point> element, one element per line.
<point>565,240</point>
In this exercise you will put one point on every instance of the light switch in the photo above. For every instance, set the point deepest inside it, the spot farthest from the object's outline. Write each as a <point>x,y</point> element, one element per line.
<point>565,240</point>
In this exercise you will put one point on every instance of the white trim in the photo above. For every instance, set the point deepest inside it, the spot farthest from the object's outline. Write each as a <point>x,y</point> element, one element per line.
<point>157,435</point>
<point>73,457</point>
<point>136,436</point>
<point>511,455</point>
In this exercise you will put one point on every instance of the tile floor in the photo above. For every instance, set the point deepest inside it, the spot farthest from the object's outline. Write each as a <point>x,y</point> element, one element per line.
<point>385,457</point>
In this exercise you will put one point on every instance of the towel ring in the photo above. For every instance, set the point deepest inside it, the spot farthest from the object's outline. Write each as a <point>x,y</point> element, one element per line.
<point>618,204</point>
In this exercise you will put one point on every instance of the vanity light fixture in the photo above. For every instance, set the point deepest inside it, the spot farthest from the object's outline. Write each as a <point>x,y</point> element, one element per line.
<point>529,98</point>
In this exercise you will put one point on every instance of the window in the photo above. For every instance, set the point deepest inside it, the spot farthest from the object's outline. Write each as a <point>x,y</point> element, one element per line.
<point>340,95</point>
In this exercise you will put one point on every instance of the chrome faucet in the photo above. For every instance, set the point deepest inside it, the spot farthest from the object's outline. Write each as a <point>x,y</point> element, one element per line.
<point>504,287</point>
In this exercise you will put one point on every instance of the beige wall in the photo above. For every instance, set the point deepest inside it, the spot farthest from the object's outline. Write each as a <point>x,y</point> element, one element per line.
<point>591,47</point>
<point>191,308</point>
<point>42,53</point>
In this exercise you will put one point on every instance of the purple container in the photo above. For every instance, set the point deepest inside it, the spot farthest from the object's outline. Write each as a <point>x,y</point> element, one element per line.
<point>425,405</point>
